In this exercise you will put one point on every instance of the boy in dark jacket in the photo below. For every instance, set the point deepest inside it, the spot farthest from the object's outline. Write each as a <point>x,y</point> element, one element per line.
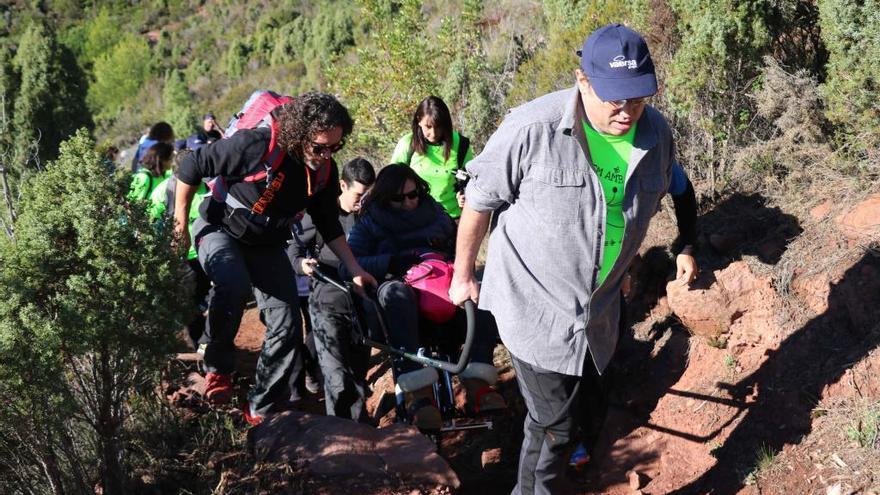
<point>343,361</point>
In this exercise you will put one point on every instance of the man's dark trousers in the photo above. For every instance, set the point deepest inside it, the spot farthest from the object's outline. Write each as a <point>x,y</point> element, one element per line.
<point>557,405</point>
<point>235,268</point>
<point>343,362</point>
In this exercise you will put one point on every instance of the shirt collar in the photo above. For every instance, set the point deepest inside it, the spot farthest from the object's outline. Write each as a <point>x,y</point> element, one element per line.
<point>646,134</point>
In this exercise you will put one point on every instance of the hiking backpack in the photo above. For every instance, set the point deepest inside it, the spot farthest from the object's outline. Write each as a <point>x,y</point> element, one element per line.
<point>256,113</point>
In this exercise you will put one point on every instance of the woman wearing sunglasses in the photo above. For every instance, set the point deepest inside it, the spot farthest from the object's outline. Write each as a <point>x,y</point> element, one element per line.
<point>399,223</point>
<point>435,151</point>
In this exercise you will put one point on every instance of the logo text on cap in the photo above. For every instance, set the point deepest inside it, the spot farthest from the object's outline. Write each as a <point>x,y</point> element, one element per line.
<point>621,62</point>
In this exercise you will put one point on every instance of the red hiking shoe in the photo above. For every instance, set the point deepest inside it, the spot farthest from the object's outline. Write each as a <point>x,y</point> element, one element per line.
<point>218,390</point>
<point>251,418</point>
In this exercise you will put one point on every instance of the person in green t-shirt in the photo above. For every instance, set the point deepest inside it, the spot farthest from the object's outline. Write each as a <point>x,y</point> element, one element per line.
<point>193,275</point>
<point>435,151</point>
<point>155,167</point>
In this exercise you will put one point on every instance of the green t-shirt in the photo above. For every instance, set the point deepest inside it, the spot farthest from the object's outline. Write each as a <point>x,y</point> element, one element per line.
<point>157,207</point>
<point>610,156</point>
<point>436,171</point>
<point>143,183</point>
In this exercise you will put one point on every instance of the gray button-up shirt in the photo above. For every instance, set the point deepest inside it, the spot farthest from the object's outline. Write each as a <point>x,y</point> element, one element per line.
<point>547,239</point>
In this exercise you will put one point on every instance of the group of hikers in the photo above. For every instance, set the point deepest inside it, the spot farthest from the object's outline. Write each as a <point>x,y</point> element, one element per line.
<point>569,183</point>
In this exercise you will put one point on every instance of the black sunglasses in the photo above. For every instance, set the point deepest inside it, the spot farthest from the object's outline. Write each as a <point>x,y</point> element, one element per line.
<point>320,149</point>
<point>398,198</point>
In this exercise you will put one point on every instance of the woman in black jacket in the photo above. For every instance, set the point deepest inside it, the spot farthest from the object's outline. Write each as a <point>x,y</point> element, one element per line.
<point>401,222</point>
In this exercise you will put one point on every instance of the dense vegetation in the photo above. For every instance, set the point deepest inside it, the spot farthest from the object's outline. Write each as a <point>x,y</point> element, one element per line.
<point>762,94</point>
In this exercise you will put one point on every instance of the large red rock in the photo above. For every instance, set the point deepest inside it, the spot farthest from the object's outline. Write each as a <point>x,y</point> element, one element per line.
<point>729,300</point>
<point>332,447</point>
<point>862,222</point>
<point>813,290</point>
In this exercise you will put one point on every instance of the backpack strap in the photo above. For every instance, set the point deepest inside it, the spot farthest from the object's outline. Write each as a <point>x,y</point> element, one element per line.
<point>271,159</point>
<point>170,191</point>
<point>463,145</point>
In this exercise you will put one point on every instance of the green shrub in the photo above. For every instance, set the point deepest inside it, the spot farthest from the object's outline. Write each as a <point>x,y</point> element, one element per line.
<point>119,76</point>
<point>48,104</point>
<point>90,295</point>
<point>178,104</point>
<point>396,69</point>
<point>851,32</point>
<point>552,67</point>
<point>237,58</point>
<point>103,33</point>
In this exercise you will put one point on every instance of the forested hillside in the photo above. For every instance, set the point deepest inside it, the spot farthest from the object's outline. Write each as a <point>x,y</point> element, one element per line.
<point>773,104</point>
<point>116,67</point>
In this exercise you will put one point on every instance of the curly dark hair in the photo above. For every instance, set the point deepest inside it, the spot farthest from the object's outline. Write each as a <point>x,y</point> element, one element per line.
<point>308,115</point>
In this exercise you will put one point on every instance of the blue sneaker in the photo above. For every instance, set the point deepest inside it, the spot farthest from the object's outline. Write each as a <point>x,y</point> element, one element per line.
<point>579,458</point>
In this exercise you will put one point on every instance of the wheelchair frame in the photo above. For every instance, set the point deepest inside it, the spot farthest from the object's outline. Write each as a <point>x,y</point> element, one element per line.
<point>443,390</point>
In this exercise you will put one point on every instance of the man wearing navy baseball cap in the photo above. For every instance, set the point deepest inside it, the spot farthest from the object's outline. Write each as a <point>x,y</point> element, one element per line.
<point>574,178</point>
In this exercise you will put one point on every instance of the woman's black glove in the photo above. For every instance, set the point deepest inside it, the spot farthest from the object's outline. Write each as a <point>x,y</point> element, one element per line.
<point>400,263</point>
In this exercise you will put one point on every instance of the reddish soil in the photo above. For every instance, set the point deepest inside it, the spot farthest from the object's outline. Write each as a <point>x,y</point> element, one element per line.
<point>696,414</point>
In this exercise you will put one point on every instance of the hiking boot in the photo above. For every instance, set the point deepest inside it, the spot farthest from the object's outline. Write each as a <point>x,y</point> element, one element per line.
<point>418,390</point>
<point>218,390</point>
<point>251,417</point>
<point>480,397</point>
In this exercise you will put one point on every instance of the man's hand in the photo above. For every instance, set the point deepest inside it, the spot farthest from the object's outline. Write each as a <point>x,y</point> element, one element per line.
<point>459,196</point>
<point>181,240</point>
<point>686,269</point>
<point>626,285</point>
<point>362,279</point>
<point>463,288</point>
<point>308,266</point>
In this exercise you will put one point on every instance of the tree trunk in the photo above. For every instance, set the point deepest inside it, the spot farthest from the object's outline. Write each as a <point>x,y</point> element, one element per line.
<point>108,429</point>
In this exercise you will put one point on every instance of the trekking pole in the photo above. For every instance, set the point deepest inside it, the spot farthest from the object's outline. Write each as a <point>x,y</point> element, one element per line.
<point>454,368</point>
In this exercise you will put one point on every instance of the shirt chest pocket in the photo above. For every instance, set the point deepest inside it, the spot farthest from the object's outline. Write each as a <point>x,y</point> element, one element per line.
<point>652,187</point>
<point>556,194</point>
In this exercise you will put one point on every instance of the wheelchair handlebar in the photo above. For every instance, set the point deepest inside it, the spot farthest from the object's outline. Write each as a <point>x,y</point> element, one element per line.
<point>454,368</point>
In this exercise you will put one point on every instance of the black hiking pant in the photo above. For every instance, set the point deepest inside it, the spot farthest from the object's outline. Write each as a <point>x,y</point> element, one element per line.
<point>198,286</point>
<point>307,358</point>
<point>557,405</point>
<point>343,361</point>
<point>236,269</point>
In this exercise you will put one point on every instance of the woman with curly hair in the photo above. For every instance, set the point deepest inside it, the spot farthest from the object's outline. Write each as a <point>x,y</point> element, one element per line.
<point>243,228</point>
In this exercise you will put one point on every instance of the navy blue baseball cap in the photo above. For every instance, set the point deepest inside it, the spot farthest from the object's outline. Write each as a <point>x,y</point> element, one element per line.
<point>616,60</point>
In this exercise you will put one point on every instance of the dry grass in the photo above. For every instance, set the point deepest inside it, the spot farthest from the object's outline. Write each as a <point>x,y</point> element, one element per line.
<point>844,443</point>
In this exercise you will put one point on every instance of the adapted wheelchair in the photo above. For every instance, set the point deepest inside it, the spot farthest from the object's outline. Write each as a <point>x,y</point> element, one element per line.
<point>432,356</point>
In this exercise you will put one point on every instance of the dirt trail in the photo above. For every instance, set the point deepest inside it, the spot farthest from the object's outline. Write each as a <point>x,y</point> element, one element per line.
<point>724,412</point>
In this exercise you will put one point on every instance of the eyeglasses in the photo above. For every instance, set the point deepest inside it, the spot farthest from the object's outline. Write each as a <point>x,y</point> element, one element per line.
<point>321,148</point>
<point>398,198</point>
<point>618,104</point>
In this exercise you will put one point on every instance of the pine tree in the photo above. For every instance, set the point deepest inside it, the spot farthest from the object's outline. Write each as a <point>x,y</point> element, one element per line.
<point>178,104</point>
<point>49,105</point>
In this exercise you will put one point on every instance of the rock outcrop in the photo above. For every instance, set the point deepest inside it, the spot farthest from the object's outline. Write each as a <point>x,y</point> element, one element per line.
<point>729,299</point>
<point>332,447</point>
